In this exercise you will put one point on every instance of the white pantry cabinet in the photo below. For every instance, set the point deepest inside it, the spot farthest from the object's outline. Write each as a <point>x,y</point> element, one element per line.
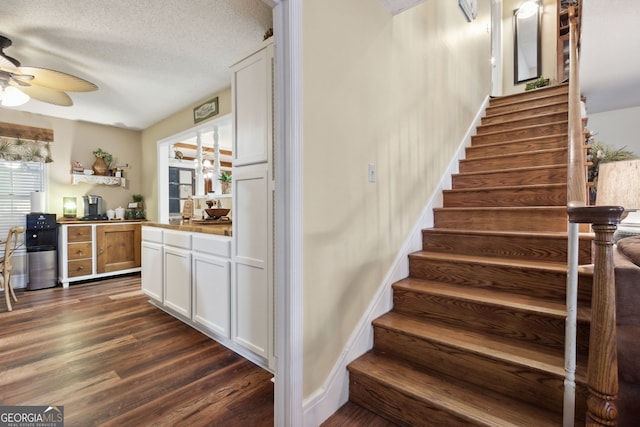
<point>252,294</point>
<point>252,99</point>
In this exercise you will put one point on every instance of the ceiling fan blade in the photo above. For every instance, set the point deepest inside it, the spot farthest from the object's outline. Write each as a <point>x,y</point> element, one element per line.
<point>45,94</point>
<point>7,63</point>
<point>58,80</point>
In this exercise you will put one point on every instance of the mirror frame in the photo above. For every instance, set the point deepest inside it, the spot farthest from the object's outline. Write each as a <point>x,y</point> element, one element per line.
<point>538,43</point>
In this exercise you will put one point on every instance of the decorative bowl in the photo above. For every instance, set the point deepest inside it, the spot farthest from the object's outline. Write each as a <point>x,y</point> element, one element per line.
<point>217,212</point>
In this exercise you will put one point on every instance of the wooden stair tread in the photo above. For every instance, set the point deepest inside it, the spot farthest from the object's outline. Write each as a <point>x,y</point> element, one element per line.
<point>508,155</point>
<point>500,132</point>
<point>550,234</point>
<point>514,121</point>
<point>491,297</point>
<point>477,343</point>
<point>520,97</point>
<point>475,404</point>
<point>515,141</point>
<point>506,187</point>
<point>561,104</point>
<point>520,169</point>
<point>557,267</point>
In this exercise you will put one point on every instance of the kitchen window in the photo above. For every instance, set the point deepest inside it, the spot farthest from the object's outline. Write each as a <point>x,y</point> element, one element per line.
<point>18,179</point>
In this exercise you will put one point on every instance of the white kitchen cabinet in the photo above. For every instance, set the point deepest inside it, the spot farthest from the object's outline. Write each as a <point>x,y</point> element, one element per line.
<point>252,296</point>
<point>211,283</point>
<point>252,89</point>
<point>152,270</point>
<point>177,272</point>
<point>211,299</point>
<point>152,263</point>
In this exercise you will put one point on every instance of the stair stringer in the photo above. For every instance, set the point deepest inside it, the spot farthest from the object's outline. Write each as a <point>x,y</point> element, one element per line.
<point>334,392</point>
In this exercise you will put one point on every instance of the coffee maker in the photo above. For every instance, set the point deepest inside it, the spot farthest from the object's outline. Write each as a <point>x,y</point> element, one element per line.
<point>93,208</point>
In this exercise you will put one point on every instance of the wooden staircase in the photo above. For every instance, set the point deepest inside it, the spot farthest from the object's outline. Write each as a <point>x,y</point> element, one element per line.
<point>476,334</point>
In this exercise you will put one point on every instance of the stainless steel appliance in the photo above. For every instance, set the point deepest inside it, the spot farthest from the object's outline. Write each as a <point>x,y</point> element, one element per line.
<point>41,241</point>
<point>93,208</point>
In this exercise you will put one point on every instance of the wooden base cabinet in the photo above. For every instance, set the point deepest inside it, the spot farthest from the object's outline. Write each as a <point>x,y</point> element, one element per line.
<point>91,251</point>
<point>118,247</point>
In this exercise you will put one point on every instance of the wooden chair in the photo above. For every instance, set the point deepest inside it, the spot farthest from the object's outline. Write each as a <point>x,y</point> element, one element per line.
<point>5,263</point>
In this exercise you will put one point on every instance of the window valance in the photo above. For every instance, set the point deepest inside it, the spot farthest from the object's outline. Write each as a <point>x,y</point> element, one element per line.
<point>16,149</point>
<point>25,143</point>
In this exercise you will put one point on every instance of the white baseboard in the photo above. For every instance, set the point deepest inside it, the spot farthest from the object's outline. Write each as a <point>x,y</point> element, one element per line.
<point>334,393</point>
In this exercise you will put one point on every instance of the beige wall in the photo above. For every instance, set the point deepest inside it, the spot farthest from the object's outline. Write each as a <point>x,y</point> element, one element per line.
<point>76,141</point>
<point>172,125</point>
<point>399,92</point>
<point>549,43</point>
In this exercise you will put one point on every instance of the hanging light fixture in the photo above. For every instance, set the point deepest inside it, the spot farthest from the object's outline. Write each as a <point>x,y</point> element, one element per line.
<point>12,97</point>
<point>528,9</point>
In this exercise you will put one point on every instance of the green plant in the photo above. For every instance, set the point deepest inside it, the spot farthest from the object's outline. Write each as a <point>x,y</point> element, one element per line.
<point>225,177</point>
<point>541,82</point>
<point>599,153</point>
<point>101,154</point>
<point>137,198</point>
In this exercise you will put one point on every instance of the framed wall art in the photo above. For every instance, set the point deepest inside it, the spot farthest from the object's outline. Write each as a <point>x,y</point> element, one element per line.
<point>206,110</point>
<point>470,8</point>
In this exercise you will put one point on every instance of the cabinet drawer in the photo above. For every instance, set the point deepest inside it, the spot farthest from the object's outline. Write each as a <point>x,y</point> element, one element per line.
<point>212,245</point>
<point>179,239</point>
<point>152,234</point>
<point>80,268</point>
<point>79,250</point>
<point>79,234</point>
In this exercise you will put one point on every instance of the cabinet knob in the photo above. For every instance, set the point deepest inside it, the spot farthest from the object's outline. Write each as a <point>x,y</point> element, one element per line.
<point>101,250</point>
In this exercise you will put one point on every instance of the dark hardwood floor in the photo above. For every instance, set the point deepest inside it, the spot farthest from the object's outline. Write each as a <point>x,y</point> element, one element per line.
<point>110,358</point>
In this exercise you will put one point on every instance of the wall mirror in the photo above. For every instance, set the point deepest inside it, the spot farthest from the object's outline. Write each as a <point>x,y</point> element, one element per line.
<point>527,51</point>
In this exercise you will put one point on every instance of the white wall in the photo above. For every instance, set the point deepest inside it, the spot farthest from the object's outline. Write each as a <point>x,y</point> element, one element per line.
<point>618,128</point>
<point>398,92</point>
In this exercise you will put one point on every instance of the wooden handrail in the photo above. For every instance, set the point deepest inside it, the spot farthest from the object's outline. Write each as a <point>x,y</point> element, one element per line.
<point>602,369</point>
<point>577,172</point>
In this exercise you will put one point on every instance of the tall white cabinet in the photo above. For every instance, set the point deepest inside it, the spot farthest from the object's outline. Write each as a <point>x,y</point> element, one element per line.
<point>252,298</point>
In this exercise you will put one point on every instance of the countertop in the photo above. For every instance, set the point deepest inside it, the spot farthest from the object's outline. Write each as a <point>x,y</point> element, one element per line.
<point>97,221</point>
<point>221,228</point>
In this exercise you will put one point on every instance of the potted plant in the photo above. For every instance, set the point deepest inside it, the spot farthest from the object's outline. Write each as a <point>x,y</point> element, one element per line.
<point>599,153</point>
<point>225,180</point>
<point>102,163</point>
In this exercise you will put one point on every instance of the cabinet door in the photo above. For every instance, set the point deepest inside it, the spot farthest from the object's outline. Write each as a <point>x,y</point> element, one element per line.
<point>252,97</point>
<point>177,280</point>
<point>252,297</point>
<point>118,247</point>
<point>152,270</point>
<point>211,293</point>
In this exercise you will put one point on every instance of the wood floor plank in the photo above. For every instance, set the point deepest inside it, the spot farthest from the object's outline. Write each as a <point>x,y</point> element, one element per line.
<point>110,358</point>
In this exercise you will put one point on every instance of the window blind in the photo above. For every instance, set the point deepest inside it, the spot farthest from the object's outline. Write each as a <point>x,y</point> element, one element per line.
<point>17,181</point>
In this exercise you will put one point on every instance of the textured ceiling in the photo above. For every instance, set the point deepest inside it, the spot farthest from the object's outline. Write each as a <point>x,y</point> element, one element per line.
<point>609,64</point>
<point>152,58</point>
<point>149,58</point>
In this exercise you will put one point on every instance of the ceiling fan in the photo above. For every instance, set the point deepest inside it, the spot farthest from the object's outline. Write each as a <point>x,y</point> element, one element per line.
<point>18,84</point>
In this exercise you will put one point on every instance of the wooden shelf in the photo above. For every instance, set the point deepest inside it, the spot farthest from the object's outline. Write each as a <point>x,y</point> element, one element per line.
<point>97,179</point>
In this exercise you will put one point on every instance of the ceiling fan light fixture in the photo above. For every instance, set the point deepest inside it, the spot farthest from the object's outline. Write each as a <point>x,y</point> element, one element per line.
<point>13,97</point>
